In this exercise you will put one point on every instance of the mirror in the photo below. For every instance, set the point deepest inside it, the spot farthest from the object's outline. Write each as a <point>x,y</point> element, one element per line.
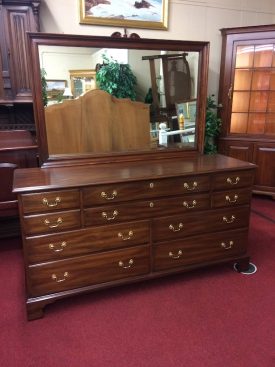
<point>164,81</point>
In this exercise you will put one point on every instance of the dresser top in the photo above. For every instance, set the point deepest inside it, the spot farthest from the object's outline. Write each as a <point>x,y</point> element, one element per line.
<point>38,179</point>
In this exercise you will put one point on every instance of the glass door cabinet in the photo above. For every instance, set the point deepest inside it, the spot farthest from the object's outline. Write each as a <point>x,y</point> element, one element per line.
<point>247,97</point>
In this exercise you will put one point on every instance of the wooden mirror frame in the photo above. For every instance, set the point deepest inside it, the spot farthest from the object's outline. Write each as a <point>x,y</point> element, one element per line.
<point>39,39</point>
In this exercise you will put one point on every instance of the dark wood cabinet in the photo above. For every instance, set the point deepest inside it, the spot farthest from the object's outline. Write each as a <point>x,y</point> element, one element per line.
<point>17,150</point>
<point>16,18</point>
<point>247,96</point>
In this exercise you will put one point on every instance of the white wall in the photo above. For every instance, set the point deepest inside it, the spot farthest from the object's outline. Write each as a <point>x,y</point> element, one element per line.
<point>188,20</point>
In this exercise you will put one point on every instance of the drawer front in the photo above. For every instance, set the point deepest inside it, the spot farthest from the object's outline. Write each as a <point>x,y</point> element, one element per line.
<point>51,222</point>
<point>230,198</point>
<point>88,270</point>
<point>200,249</point>
<point>84,241</point>
<point>104,194</point>
<point>201,222</point>
<point>233,180</point>
<point>50,201</point>
<point>144,209</point>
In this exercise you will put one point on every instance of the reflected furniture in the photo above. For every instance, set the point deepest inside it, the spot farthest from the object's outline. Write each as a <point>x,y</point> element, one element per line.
<point>127,213</point>
<point>17,150</point>
<point>247,95</point>
<point>16,18</point>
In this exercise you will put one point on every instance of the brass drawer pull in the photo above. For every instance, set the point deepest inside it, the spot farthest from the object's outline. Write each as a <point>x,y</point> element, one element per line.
<point>187,187</point>
<point>130,263</point>
<point>227,198</point>
<point>185,203</point>
<point>227,247</point>
<point>65,276</point>
<point>54,225</point>
<point>231,220</point>
<point>105,215</point>
<point>230,181</point>
<point>175,256</point>
<point>125,238</point>
<point>111,197</point>
<point>172,228</point>
<point>151,185</point>
<point>151,204</point>
<point>59,249</point>
<point>55,203</point>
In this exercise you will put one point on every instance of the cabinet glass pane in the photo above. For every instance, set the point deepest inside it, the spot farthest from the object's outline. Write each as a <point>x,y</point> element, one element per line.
<point>260,80</point>
<point>238,123</point>
<point>240,101</point>
<point>256,123</point>
<point>258,101</point>
<point>244,56</point>
<point>242,80</point>
<point>263,56</point>
<point>272,80</point>
<point>271,102</point>
<point>270,123</point>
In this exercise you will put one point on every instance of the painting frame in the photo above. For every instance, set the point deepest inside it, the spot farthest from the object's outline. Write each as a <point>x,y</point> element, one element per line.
<point>115,20</point>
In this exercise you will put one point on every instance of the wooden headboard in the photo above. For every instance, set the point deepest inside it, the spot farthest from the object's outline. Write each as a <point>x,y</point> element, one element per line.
<point>97,122</point>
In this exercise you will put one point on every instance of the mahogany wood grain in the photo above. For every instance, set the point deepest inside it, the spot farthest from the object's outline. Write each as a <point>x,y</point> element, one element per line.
<point>174,227</point>
<point>233,180</point>
<point>90,269</point>
<point>195,250</point>
<point>80,242</point>
<point>230,198</point>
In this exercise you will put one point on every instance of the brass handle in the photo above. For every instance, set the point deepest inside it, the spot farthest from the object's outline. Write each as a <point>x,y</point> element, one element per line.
<point>130,263</point>
<point>54,225</point>
<point>187,187</point>
<point>230,181</point>
<point>231,220</point>
<point>125,238</point>
<point>175,256</point>
<point>56,201</point>
<point>65,275</point>
<point>111,197</point>
<point>61,248</point>
<point>189,206</point>
<point>227,247</point>
<point>172,228</point>
<point>105,215</point>
<point>227,198</point>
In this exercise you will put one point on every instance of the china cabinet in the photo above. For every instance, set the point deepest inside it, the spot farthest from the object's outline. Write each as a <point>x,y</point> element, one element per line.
<point>247,96</point>
<point>109,204</point>
<point>16,18</point>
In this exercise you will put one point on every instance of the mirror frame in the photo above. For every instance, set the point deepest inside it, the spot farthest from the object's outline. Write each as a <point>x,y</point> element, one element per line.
<point>38,39</point>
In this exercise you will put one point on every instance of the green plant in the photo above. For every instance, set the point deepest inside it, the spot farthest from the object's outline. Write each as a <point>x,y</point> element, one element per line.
<point>212,126</point>
<point>44,86</point>
<point>116,79</point>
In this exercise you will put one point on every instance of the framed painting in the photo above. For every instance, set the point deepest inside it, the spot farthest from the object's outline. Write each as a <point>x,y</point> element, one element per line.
<point>55,89</point>
<point>152,14</point>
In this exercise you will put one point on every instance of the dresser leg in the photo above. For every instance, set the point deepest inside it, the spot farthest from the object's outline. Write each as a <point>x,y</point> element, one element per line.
<point>35,310</point>
<point>242,264</point>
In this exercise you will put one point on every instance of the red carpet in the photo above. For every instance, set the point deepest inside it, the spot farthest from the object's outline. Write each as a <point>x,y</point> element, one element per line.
<point>213,317</point>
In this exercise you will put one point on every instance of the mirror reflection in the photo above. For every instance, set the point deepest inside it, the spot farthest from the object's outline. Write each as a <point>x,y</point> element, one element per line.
<point>156,91</point>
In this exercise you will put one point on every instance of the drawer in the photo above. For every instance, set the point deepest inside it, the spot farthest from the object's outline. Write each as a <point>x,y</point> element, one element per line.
<point>51,222</point>
<point>200,249</point>
<point>84,241</point>
<point>143,189</point>
<point>201,222</point>
<point>230,198</point>
<point>88,270</point>
<point>145,209</point>
<point>50,201</point>
<point>233,180</point>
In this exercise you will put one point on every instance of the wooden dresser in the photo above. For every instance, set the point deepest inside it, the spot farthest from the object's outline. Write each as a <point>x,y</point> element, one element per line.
<point>96,226</point>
